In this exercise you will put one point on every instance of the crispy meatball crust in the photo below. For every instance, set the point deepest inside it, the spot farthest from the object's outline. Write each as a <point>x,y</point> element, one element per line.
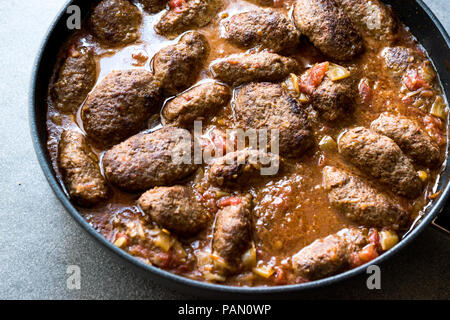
<point>80,171</point>
<point>177,66</point>
<point>360,202</point>
<point>240,166</point>
<point>147,160</point>
<point>116,22</point>
<point>174,208</point>
<point>334,99</point>
<point>268,105</point>
<point>330,255</point>
<point>264,29</point>
<point>75,80</point>
<point>328,27</point>
<point>120,106</point>
<point>198,102</point>
<point>233,232</point>
<point>263,66</point>
<point>381,158</point>
<point>413,141</point>
<point>191,14</point>
<point>153,6</point>
<point>372,17</point>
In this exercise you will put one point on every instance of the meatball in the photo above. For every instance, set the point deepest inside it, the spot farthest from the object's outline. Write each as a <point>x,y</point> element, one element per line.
<point>328,27</point>
<point>381,158</point>
<point>330,255</point>
<point>153,6</point>
<point>372,17</point>
<point>177,66</point>
<point>120,106</point>
<point>262,66</point>
<point>185,15</point>
<point>233,232</point>
<point>413,141</point>
<point>116,22</point>
<point>360,202</point>
<point>75,80</point>
<point>174,208</point>
<point>333,99</point>
<point>200,101</point>
<point>398,59</point>
<point>268,105</point>
<point>80,171</point>
<point>148,160</point>
<point>265,29</point>
<point>242,165</point>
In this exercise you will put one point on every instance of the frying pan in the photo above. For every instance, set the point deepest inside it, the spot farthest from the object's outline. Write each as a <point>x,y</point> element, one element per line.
<point>413,13</point>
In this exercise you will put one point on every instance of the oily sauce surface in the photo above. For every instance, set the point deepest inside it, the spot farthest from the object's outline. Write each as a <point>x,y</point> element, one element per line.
<point>292,208</point>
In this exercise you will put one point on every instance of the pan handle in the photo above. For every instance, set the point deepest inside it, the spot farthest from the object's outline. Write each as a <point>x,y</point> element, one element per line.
<point>442,221</point>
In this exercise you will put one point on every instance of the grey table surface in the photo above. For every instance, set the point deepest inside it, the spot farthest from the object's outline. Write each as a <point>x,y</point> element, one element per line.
<point>39,240</point>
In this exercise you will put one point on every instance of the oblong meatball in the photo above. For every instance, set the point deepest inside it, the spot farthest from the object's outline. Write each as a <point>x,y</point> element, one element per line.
<point>372,17</point>
<point>328,27</point>
<point>80,171</point>
<point>242,165</point>
<point>264,29</point>
<point>334,99</point>
<point>185,15</point>
<point>360,202</point>
<point>177,66</point>
<point>174,208</point>
<point>200,101</point>
<point>233,232</point>
<point>116,22</point>
<point>413,141</point>
<point>148,160</point>
<point>153,6</point>
<point>268,105</point>
<point>330,255</point>
<point>120,105</point>
<point>262,66</point>
<point>381,158</point>
<point>75,80</point>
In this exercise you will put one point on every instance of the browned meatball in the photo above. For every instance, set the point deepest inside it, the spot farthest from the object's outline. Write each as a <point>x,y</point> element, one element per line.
<point>120,106</point>
<point>148,160</point>
<point>80,171</point>
<point>328,27</point>
<point>174,208</point>
<point>372,17</point>
<point>116,22</point>
<point>262,66</point>
<point>264,29</point>
<point>75,80</point>
<point>268,105</point>
<point>242,165</point>
<point>330,255</point>
<point>186,15</point>
<point>381,158</point>
<point>153,6</point>
<point>398,59</point>
<point>200,101</point>
<point>177,66</point>
<point>334,99</point>
<point>360,202</point>
<point>413,141</point>
<point>233,232</point>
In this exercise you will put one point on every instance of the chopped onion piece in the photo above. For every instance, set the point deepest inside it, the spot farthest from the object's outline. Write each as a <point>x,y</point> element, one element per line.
<point>249,257</point>
<point>163,241</point>
<point>422,175</point>
<point>336,72</point>
<point>388,239</point>
<point>327,143</point>
<point>263,271</point>
<point>439,108</point>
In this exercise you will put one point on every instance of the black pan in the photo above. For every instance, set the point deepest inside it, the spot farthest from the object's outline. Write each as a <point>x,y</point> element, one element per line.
<point>414,13</point>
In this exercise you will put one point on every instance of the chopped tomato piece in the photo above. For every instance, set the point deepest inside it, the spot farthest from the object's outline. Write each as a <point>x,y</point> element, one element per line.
<point>368,253</point>
<point>176,5</point>
<point>313,78</point>
<point>231,201</point>
<point>279,276</point>
<point>365,92</point>
<point>413,81</point>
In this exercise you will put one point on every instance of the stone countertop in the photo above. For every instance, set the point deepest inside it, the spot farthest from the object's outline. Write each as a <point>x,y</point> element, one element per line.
<point>39,239</point>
